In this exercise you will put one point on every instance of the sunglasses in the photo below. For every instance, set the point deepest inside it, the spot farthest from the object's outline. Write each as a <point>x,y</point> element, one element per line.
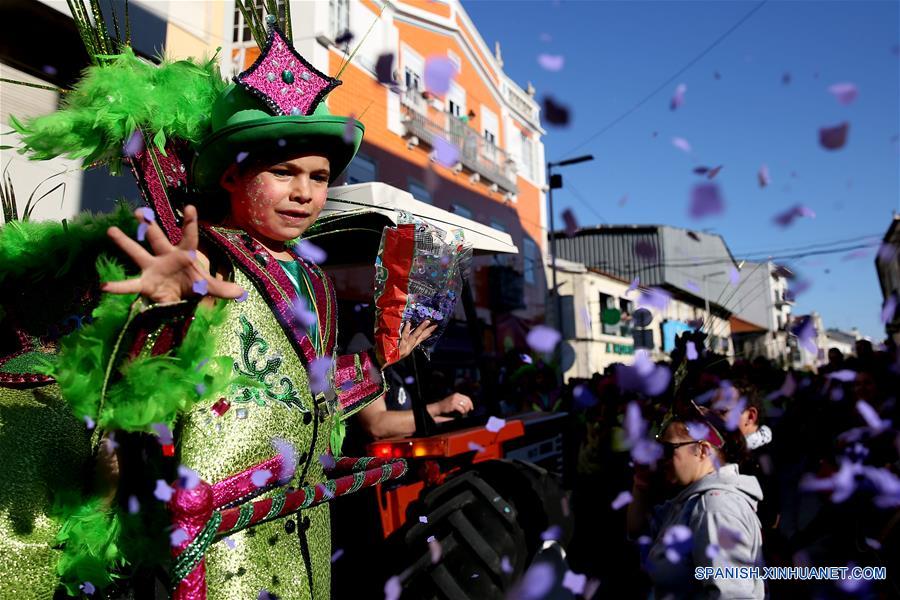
<point>669,448</point>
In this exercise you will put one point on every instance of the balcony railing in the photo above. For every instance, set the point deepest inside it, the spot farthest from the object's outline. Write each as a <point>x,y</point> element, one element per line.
<point>475,153</point>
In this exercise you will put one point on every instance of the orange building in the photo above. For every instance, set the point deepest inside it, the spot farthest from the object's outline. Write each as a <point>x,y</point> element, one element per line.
<point>491,120</point>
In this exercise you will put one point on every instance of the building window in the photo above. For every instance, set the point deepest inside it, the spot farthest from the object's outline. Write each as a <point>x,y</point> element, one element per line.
<point>462,211</point>
<point>338,17</point>
<point>361,170</point>
<point>454,58</point>
<point>527,157</point>
<point>241,32</point>
<point>499,226</point>
<point>530,261</point>
<point>419,191</point>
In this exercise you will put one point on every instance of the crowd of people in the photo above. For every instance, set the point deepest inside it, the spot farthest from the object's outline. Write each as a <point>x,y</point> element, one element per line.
<point>741,464</point>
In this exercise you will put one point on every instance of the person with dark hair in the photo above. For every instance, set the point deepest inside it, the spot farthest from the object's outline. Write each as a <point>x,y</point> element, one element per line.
<point>711,521</point>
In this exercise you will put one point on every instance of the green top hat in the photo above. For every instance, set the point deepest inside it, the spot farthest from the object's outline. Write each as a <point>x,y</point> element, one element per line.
<point>242,126</point>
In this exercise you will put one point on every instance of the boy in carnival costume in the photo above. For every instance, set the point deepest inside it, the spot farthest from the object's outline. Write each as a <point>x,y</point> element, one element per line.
<point>249,383</point>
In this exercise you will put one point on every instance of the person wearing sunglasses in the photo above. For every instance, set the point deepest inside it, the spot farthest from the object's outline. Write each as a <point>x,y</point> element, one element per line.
<point>710,521</point>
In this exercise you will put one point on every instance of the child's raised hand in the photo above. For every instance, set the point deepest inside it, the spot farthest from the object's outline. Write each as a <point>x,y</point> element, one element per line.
<point>171,273</point>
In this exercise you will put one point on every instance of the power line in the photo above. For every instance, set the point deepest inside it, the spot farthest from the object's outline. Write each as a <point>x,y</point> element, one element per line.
<point>669,81</point>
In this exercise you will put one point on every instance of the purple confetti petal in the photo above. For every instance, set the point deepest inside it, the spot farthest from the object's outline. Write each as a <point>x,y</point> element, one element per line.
<point>243,297</point>
<point>583,397</point>
<point>423,519</point>
<point>646,250</point>
<point>88,588</point>
<point>535,584</point>
<point>711,174</point>
<point>327,461</point>
<point>163,491</point>
<point>309,251</point>
<point>495,424</point>
<point>870,415</point>
<point>712,551</point>
<point>473,447</point>
<point>786,219</point>
<point>349,130</point>
<point>678,97</point>
<point>288,454</point>
<point>301,312</point>
<point>439,72</point>
<point>505,565</point>
<point>624,498</point>
<point>318,374</point>
<point>734,276</point>
<point>551,62</point>
<point>845,375</point>
<point>706,200</point>
<point>552,533</point>
<point>178,537</point>
<point>134,145</point>
<point>384,68</point>
<point>682,144</point>
<point>435,549</point>
<point>188,479</point>
<point>526,359</point>
<point>693,287</point>
<point>49,70</point>
<point>654,297</point>
<point>163,433</point>
<point>574,582</point>
<point>261,477</point>
<point>555,113</point>
<point>543,339</point>
<point>241,157</point>
<point>844,93</point>
<point>889,309</point>
<point>200,287</point>
<point>633,285</point>
<point>570,222</point>
<point>89,423</point>
<point>646,452</point>
<point>230,542</point>
<point>701,170</point>
<point>393,588</point>
<point>142,231</point>
<point>134,507</point>
<point>834,138</point>
<point>147,214</point>
<point>762,176</point>
<point>691,351</point>
<point>445,153</point>
<point>337,554</point>
<point>729,538</point>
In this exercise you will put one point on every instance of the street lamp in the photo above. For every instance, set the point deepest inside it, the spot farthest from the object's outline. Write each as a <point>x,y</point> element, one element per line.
<point>556,183</point>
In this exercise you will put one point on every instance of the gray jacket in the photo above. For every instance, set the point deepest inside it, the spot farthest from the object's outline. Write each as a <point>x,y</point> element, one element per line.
<point>720,513</point>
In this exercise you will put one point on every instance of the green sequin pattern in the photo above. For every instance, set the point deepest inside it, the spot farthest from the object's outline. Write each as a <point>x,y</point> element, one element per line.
<point>289,557</point>
<point>45,450</point>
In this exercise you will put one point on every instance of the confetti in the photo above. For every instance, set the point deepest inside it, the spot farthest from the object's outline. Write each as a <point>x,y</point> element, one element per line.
<point>623,499</point>
<point>200,287</point>
<point>762,176</point>
<point>552,533</point>
<point>134,507</point>
<point>714,171</point>
<point>163,433</point>
<point>706,200</point>
<point>288,454</point>
<point>318,374</point>
<point>88,588</point>
<point>301,312</point>
<point>142,232</point>
<point>476,447</point>
<point>574,582</point>
<point>785,219</point>
<point>349,134</point>
<point>384,68</point>
<point>89,423</point>
<point>551,62</point>
<point>645,250</point>
<point>543,339</point>
<point>633,285</point>
<point>309,251</point>
<point>134,145</point>
<point>691,351</point>
<point>678,97</point>
<point>526,359</point>
<point>230,543</point>
<point>434,548</point>
<point>870,415</point>
<point>583,397</point>
<point>834,138</point>
<point>712,551</point>
<point>844,93</point>
<point>445,153</point>
<point>261,477</point>
<point>423,519</point>
<point>682,144</point>
<point>734,276</point>
<point>570,222</point>
<point>439,72</point>
<point>241,156</point>
<point>327,461</point>
<point>163,491</point>
<point>337,554</point>
<point>188,479</point>
<point>393,588</point>
<point>729,538</point>
<point>555,113</point>
<point>536,583</point>
<point>495,424</point>
<point>178,537</point>
<point>654,297</point>
<point>505,566</point>
<point>889,309</point>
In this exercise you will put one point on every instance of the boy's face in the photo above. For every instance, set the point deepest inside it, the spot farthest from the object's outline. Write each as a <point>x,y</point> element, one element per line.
<point>278,202</point>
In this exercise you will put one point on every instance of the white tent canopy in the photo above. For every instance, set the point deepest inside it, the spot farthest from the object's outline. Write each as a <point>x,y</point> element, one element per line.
<point>389,201</point>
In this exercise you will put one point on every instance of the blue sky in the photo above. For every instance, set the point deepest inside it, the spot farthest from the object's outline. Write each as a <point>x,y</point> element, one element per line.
<point>617,52</point>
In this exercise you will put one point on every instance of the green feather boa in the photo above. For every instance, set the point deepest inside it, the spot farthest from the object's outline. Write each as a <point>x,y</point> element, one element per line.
<point>112,101</point>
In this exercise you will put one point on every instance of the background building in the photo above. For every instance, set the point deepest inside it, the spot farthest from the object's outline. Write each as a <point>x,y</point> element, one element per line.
<point>761,312</point>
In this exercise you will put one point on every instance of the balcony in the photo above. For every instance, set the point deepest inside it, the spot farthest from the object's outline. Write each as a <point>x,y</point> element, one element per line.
<point>475,153</point>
